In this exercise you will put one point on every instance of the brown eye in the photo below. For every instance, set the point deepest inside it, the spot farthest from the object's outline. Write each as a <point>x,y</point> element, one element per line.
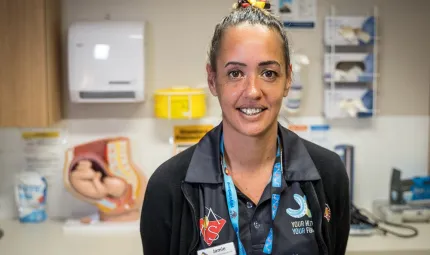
<point>235,74</point>
<point>270,74</point>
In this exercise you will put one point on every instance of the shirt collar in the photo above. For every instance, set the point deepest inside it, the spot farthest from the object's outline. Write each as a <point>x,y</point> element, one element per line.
<point>205,165</point>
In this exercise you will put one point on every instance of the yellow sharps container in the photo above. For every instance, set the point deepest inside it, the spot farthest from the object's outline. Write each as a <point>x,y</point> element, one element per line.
<point>179,103</point>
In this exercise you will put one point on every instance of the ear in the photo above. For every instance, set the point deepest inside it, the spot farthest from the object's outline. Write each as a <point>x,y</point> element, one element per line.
<point>289,81</point>
<point>211,79</point>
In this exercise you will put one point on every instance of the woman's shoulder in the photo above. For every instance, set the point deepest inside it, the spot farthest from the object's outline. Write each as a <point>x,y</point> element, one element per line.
<point>328,163</point>
<point>172,172</point>
<point>333,175</point>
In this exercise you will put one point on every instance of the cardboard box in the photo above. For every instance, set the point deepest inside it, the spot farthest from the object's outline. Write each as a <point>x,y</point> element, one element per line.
<point>348,67</point>
<point>348,103</point>
<point>349,30</point>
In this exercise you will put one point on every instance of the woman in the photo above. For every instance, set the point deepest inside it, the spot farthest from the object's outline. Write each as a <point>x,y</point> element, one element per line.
<point>249,186</point>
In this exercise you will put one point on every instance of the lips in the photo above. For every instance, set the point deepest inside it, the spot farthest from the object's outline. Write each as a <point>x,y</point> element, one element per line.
<point>251,111</point>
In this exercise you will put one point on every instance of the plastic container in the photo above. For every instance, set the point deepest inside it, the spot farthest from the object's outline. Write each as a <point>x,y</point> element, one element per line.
<point>179,103</point>
<point>294,98</point>
<point>31,194</point>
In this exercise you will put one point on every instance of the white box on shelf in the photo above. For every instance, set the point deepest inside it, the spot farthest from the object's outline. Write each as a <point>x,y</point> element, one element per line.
<point>348,103</point>
<point>349,30</point>
<point>106,62</point>
<point>348,67</point>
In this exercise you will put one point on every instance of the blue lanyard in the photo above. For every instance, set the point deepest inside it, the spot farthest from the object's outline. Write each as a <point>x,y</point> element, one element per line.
<point>233,205</point>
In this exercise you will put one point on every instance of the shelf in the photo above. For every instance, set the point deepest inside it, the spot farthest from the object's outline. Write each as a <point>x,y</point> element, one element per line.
<point>362,79</point>
<point>49,239</point>
<point>348,84</point>
<point>349,48</point>
<point>350,72</point>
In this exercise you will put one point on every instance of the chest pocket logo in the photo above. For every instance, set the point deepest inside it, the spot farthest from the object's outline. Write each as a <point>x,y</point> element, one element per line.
<point>303,208</point>
<point>210,226</point>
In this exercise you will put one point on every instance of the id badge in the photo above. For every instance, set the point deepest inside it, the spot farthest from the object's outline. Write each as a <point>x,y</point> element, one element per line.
<point>223,249</point>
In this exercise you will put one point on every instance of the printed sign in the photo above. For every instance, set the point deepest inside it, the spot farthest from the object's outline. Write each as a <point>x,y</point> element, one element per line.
<point>296,13</point>
<point>187,136</point>
<point>43,152</point>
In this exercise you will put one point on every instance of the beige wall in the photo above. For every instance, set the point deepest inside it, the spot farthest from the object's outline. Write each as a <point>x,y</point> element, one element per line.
<point>178,34</point>
<point>404,83</point>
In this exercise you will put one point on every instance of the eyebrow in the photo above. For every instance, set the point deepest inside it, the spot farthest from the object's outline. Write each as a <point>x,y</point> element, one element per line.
<point>234,63</point>
<point>264,63</point>
<point>268,63</point>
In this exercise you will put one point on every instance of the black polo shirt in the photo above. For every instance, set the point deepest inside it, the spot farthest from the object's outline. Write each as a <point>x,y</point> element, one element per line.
<point>293,225</point>
<point>255,222</point>
<point>293,230</point>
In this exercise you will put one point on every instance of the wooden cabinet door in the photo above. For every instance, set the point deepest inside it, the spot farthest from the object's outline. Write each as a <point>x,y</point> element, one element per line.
<point>23,70</point>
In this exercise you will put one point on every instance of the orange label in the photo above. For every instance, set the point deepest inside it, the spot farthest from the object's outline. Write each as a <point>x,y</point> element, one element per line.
<point>300,128</point>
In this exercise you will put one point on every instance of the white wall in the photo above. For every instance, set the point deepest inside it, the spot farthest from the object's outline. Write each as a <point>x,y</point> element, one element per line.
<point>380,145</point>
<point>178,34</point>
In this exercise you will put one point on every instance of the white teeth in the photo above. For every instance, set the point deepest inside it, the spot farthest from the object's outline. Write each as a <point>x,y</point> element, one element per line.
<point>251,111</point>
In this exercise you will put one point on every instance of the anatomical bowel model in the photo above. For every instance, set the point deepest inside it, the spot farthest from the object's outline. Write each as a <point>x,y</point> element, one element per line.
<point>103,174</point>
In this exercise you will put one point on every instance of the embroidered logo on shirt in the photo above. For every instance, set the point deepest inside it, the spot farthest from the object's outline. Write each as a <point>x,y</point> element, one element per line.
<point>301,226</point>
<point>303,208</point>
<point>327,213</point>
<point>210,226</point>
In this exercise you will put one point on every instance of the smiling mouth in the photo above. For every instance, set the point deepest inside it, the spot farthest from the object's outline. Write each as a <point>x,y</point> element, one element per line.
<point>252,111</point>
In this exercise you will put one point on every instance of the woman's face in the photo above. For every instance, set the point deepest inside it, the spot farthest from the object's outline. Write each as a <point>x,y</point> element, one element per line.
<point>251,78</point>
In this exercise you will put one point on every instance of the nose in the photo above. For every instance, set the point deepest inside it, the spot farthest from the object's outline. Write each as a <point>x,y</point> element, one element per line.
<point>252,88</point>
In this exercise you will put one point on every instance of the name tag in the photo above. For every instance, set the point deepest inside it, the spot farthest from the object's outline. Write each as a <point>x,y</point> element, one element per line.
<point>224,249</point>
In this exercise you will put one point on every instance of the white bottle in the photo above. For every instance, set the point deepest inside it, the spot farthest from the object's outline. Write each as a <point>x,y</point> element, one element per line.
<point>294,98</point>
<point>30,195</point>
<point>293,101</point>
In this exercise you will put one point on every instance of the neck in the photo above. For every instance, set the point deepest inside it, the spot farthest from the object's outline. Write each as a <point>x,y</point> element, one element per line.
<point>250,154</point>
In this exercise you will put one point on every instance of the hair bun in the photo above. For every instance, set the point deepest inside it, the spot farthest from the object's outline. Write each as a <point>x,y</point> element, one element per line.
<point>262,4</point>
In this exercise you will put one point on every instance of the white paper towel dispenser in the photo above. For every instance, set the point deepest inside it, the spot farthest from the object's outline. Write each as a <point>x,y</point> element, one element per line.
<point>106,62</point>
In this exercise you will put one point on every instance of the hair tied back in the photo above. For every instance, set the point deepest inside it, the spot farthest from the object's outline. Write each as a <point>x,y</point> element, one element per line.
<point>262,4</point>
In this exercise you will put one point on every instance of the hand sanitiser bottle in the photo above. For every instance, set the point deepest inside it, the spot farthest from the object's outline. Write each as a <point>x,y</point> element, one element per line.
<point>294,98</point>
<point>30,195</point>
<point>293,101</point>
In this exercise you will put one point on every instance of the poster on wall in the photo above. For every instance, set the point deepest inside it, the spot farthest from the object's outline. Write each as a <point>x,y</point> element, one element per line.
<point>296,13</point>
<point>187,136</point>
<point>42,151</point>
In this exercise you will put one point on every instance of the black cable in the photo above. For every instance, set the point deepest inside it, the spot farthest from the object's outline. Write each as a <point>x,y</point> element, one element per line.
<point>1,233</point>
<point>385,230</point>
<point>358,217</point>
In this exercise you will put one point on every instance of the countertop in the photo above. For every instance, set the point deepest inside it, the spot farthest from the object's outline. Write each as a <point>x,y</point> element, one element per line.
<point>49,239</point>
